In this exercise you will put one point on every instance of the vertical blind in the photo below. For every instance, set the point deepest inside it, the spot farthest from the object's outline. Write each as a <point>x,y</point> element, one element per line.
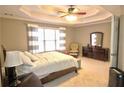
<point>45,39</point>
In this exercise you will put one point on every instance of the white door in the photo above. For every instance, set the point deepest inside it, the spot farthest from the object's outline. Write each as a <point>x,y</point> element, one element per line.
<point>114,41</point>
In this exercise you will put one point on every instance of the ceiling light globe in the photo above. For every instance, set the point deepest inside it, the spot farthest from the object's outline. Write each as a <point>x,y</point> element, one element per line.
<point>71,18</point>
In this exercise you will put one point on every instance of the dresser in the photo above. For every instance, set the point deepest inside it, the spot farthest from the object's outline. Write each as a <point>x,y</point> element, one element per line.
<point>96,53</point>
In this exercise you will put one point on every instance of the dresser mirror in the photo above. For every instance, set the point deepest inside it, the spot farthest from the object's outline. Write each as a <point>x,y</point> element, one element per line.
<point>96,39</point>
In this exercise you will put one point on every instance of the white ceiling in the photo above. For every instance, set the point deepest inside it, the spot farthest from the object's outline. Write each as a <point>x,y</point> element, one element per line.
<point>49,14</point>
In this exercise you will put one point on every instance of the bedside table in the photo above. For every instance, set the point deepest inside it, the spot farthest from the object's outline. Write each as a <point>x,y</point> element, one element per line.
<point>29,80</point>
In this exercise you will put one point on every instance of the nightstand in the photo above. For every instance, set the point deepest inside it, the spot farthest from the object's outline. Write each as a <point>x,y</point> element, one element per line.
<point>29,80</point>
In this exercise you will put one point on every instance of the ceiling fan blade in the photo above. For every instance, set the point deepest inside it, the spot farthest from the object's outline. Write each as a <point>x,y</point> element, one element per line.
<point>61,12</point>
<point>64,15</point>
<point>76,10</point>
<point>81,13</point>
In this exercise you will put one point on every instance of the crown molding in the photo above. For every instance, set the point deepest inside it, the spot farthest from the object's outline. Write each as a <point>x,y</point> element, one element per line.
<point>31,20</point>
<point>94,23</point>
<point>60,24</point>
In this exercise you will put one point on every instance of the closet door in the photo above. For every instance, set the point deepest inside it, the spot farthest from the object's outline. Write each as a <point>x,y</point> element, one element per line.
<point>114,41</point>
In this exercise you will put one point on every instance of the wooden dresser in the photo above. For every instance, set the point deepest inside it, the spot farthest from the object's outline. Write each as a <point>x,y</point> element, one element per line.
<point>96,53</point>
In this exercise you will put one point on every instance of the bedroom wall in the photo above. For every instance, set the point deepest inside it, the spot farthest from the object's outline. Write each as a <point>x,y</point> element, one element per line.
<point>15,37</point>
<point>82,34</point>
<point>14,34</point>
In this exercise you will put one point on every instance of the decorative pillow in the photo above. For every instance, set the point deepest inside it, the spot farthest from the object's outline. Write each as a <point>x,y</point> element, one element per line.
<point>31,56</point>
<point>26,60</point>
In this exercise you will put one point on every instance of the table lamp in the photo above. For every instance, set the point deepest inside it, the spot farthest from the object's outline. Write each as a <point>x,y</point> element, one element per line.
<point>12,60</point>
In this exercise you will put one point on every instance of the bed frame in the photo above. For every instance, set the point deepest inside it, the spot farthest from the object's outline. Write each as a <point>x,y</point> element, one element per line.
<point>53,75</point>
<point>58,74</point>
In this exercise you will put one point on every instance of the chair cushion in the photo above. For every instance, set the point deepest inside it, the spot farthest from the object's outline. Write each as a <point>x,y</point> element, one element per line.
<point>73,51</point>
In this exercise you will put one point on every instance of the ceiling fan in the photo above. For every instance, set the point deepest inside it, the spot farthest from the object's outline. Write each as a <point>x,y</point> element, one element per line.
<point>71,11</point>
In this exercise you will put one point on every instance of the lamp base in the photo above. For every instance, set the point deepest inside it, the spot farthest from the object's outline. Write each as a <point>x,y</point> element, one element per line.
<point>11,76</point>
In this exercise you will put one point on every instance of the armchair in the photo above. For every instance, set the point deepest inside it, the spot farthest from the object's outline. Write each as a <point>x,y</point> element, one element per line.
<point>74,49</point>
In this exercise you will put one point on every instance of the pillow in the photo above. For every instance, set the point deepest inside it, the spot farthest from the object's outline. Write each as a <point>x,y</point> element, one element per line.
<point>31,56</point>
<point>26,60</point>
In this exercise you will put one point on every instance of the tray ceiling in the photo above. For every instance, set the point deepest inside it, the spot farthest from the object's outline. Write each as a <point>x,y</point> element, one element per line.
<point>49,13</point>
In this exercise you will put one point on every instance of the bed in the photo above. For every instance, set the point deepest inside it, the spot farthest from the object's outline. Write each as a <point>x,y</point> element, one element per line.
<point>49,66</point>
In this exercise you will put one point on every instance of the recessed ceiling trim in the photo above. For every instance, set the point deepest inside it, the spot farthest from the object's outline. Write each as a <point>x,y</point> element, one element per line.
<point>93,23</point>
<point>65,25</point>
<point>26,12</point>
<point>31,20</point>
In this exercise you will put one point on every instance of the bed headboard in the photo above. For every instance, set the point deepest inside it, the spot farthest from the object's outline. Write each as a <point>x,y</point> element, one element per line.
<point>2,68</point>
<point>4,52</point>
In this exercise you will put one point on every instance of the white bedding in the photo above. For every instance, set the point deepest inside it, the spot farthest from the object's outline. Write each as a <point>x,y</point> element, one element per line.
<point>48,62</point>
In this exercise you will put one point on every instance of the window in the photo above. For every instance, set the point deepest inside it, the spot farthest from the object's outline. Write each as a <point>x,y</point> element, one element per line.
<point>50,39</point>
<point>45,39</point>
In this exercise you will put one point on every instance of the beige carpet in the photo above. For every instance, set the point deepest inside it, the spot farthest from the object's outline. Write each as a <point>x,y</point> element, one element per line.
<point>94,73</point>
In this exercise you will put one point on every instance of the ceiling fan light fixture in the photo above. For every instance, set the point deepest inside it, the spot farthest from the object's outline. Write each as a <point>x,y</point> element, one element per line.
<point>71,18</point>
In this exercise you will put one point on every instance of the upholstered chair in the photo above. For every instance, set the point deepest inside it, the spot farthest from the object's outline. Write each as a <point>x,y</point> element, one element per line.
<point>74,49</point>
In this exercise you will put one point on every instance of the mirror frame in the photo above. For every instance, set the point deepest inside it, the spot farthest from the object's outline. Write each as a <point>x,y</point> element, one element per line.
<point>101,38</point>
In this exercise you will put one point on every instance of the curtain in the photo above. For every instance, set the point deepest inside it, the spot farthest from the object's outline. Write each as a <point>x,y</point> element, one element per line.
<point>62,40</point>
<point>33,45</point>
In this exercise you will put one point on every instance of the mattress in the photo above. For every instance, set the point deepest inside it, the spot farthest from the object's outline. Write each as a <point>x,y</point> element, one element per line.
<point>48,62</point>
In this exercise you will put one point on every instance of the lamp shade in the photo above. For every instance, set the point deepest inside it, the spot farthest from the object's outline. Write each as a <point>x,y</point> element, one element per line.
<point>13,59</point>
